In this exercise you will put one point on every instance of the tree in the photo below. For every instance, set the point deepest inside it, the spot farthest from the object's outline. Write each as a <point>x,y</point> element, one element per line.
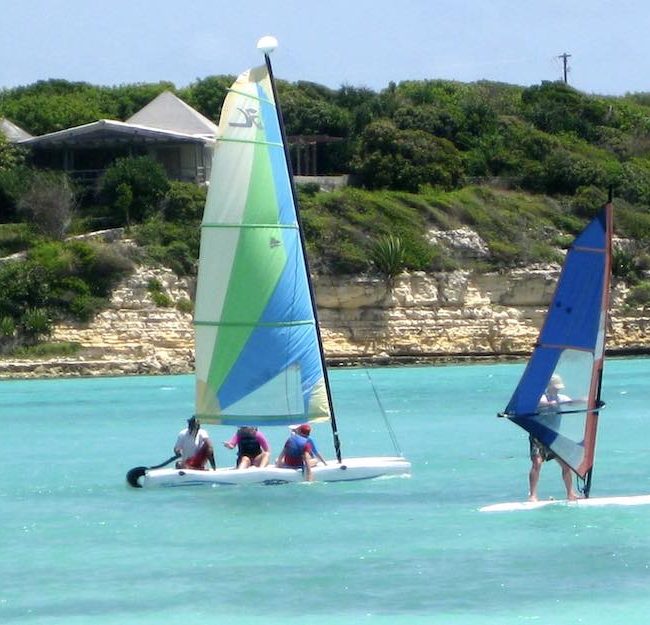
<point>406,159</point>
<point>135,187</point>
<point>207,95</point>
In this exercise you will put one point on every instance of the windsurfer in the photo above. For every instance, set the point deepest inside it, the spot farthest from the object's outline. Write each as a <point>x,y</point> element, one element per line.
<point>300,451</point>
<point>194,447</point>
<point>539,453</point>
<point>253,448</point>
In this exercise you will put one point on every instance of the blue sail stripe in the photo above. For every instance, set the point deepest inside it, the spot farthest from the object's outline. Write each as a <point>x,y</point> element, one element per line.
<point>277,343</point>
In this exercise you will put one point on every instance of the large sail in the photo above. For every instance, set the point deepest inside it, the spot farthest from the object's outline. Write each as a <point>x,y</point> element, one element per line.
<point>568,357</point>
<point>257,352</point>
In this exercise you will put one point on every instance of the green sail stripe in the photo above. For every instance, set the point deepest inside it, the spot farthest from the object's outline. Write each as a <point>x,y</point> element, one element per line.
<point>253,251</point>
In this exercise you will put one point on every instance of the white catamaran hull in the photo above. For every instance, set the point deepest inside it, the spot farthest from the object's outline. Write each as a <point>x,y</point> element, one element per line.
<point>351,469</point>
<point>592,502</point>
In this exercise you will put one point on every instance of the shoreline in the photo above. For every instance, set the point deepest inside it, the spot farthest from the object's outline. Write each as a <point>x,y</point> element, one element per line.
<point>62,368</point>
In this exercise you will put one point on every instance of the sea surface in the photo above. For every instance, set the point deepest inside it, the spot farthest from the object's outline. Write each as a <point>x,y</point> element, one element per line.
<point>77,546</point>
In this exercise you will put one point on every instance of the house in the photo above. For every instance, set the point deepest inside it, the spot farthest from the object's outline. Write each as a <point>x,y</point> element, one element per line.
<point>167,129</point>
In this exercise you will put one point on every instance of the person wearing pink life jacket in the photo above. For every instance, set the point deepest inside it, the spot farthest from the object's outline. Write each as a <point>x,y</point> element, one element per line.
<point>252,447</point>
<point>300,451</point>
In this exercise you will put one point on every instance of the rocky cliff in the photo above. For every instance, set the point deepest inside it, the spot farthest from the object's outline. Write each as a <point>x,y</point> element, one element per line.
<point>419,317</point>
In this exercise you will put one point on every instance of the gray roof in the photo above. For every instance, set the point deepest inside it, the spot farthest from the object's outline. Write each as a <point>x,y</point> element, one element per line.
<point>170,113</point>
<point>108,131</point>
<point>12,132</point>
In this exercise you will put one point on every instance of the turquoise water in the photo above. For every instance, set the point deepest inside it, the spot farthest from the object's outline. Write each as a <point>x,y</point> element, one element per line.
<point>78,546</point>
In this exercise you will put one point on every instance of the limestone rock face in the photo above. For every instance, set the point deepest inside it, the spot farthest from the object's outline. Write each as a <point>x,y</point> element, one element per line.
<point>418,316</point>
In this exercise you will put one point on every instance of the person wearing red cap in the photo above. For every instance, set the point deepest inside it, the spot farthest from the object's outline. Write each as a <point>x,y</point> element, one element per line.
<point>300,451</point>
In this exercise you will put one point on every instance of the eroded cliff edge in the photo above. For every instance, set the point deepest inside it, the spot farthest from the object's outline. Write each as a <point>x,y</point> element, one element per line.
<point>419,317</point>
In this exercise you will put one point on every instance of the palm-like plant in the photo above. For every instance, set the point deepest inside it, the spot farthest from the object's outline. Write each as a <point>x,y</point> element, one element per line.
<point>387,255</point>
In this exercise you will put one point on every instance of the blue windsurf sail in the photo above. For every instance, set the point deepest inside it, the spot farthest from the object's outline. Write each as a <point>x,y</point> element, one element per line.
<point>558,396</point>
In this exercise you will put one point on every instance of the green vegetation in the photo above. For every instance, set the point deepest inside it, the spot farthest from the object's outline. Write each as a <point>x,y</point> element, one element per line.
<point>46,350</point>
<point>387,254</point>
<point>639,295</point>
<point>523,167</point>
<point>136,188</point>
<point>158,295</point>
<point>55,281</point>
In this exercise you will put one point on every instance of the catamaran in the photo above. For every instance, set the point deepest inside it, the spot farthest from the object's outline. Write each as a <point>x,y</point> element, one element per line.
<point>570,349</point>
<point>259,356</point>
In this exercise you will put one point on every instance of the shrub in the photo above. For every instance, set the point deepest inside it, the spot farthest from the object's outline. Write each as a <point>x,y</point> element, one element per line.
<point>46,350</point>
<point>387,255</point>
<point>161,299</point>
<point>639,295</point>
<point>16,238</point>
<point>7,327</point>
<point>624,266</point>
<point>588,201</point>
<point>154,285</point>
<point>184,201</point>
<point>174,245</point>
<point>35,323</point>
<point>49,204</point>
<point>406,159</point>
<point>135,187</point>
<point>185,305</point>
<point>13,183</point>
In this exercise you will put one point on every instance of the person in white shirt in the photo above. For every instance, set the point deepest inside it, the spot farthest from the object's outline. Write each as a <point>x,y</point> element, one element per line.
<point>194,447</point>
<point>550,402</point>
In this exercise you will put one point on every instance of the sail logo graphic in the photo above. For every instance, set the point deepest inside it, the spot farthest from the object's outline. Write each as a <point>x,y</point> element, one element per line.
<point>251,119</point>
<point>273,243</point>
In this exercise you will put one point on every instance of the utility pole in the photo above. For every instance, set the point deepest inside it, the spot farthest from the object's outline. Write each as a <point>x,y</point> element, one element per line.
<point>565,58</point>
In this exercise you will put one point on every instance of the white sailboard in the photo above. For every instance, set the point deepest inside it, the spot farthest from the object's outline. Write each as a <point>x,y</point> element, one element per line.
<point>591,502</point>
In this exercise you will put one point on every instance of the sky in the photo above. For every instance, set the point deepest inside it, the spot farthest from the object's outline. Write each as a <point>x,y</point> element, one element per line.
<point>360,43</point>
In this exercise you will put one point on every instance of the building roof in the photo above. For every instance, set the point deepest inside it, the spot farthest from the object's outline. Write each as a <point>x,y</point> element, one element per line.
<point>166,118</point>
<point>12,132</point>
<point>107,131</point>
<point>168,112</point>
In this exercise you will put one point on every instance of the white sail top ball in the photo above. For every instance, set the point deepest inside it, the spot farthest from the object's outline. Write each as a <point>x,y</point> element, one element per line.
<point>267,44</point>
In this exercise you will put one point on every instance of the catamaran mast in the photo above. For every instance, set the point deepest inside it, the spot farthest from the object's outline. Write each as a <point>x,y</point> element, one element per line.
<point>267,50</point>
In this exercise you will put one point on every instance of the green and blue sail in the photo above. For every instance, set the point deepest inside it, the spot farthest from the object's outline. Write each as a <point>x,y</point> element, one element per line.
<point>258,360</point>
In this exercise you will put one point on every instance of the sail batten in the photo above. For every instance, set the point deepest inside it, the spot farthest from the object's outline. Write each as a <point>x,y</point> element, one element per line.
<point>250,141</point>
<point>568,355</point>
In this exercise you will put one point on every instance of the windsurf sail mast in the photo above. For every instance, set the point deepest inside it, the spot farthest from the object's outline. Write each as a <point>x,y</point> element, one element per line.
<point>294,194</point>
<point>567,361</point>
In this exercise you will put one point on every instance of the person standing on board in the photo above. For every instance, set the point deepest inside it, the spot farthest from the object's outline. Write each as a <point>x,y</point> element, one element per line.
<point>253,448</point>
<point>300,451</point>
<point>539,453</point>
<point>194,447</point>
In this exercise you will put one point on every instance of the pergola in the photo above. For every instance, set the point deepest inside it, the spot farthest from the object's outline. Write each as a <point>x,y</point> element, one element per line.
<point>305,148</point>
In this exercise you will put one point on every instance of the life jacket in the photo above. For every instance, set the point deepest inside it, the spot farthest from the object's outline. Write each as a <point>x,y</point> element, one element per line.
<point>295,447</point>
<point>248,443</point>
